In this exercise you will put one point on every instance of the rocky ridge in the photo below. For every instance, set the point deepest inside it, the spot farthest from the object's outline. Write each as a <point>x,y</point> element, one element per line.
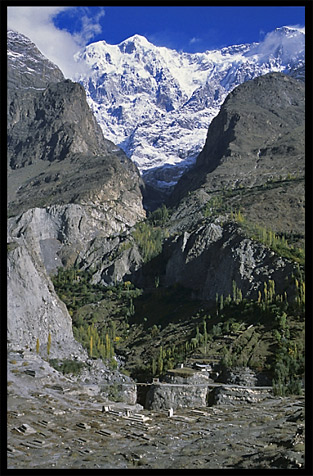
<point>56,150</point>
<point>212,257</point>
<point>257,136</point>
<point>67,186</point>
<point>253,156</point>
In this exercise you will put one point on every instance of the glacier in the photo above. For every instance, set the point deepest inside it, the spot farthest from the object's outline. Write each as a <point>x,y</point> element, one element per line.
<point>157,103</point>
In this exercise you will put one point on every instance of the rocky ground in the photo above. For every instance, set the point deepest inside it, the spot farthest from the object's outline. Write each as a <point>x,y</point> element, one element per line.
<point>60,422</point>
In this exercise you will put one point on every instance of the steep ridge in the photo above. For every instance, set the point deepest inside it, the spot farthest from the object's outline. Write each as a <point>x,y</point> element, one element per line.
<point>247,181</point>
<point>56,150</point>
<point>157,103</point>
<point>255,146</point>
<point>66,186</point>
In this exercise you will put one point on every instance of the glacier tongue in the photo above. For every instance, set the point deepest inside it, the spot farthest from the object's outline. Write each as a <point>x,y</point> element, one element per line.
<point>157,103</point>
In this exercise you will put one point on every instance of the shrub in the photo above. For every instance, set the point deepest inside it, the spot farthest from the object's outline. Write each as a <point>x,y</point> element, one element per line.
<point>67,366</point>
<point>159,216</point>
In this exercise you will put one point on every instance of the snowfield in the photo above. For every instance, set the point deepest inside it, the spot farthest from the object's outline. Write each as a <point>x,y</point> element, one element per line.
<point>157,103</point>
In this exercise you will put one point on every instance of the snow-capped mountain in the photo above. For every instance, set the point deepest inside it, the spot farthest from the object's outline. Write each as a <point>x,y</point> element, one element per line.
<point>157,103</point>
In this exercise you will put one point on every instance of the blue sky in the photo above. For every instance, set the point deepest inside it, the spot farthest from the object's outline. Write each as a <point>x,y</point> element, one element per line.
<point>185,28</point>
<point>60,31</point>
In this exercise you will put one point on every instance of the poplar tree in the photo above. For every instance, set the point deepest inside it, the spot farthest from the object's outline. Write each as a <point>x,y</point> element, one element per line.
<point>160,361</point>
<point>90,345</point>
<point>153,366</point>
<point>221,302</point>
<point>49,344</point>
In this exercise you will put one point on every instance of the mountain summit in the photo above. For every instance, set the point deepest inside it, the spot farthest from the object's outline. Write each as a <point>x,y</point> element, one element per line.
<point>157,103</point>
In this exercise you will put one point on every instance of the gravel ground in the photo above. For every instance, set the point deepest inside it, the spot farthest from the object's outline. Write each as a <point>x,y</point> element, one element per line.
<point>56,422</point>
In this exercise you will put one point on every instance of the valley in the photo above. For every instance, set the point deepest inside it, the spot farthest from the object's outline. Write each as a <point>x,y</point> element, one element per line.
<point>150,325</point>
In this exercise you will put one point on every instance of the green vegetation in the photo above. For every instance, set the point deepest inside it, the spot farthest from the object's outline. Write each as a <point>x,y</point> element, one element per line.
<point>266,334</point>
<point>160,216</point>
<point>99,344</point>
<point>215,206</point>
<point>225,202</point>
<point>288,369</point>
<point>277,243</point>
<point>67,366</point>
<point>92,307</point>
<point>49,344</point>
<point>75,289</point>
<point>149,240</point>
<point>149,234</point>
<point>162,327</point>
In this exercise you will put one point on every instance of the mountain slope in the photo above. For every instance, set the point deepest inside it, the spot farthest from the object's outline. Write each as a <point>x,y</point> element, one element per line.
<point>205,271</point>
<point>255,151</point>
<point>157,103</point>
<point>56,150</point>
<point>67,185</point>
<point>258,135</point>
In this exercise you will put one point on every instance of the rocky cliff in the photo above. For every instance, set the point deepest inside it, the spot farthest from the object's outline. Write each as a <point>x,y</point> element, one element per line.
<point>212,257</point>
<point>67,187</point>
<point>255,149</point>
<point>258,135</point>
<point>56,150</point>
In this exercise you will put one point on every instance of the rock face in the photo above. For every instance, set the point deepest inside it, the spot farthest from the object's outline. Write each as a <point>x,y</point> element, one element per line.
<point>258,135</point>
<point>232,396</point>
<point>56,149</point>
<point>179,391</point>
<point>209,259</point>
<point>163,396</point>
<point>28,67</point>
<point>68,188</point>
<point>34,309</point>
<point>243,376</point>
<point>253,159</point>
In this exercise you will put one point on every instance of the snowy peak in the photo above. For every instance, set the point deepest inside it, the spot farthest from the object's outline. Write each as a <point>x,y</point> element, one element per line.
<point>157,103</point>
<point>290,30</point>
<point>285,44</point>
<point>134,42</point>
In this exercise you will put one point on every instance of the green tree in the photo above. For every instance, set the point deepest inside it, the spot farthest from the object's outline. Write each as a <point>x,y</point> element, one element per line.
<point>153,366</point>
<point>205,337</point>
<point>160,361</point>
<point>91,345</point>
<point>221,302</point>
<point>234,291</point>
<point>49,343</point>
<point>37,346</point>
<point>154,331</point>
